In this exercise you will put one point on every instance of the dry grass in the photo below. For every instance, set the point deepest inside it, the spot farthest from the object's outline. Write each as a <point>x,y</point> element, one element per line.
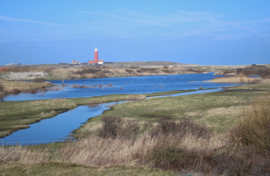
<point>235,79</point>
<point>254,128</point>
<point>179,146</point>
<point>18,86</point>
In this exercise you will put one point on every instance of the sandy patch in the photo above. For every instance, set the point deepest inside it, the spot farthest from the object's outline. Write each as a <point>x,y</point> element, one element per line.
<point>24,75</point>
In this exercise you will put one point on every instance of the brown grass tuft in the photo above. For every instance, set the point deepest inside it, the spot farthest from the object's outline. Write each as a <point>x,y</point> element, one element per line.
<point>254,128</point>
<point>235,79</point>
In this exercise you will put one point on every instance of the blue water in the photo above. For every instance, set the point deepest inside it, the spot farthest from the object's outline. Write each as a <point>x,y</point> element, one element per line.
<point>54,129</point>
<point>123,85</point>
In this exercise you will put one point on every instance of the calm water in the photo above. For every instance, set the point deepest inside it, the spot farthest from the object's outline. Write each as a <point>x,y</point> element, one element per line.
<point>123,85</point>
<point>54,129</point>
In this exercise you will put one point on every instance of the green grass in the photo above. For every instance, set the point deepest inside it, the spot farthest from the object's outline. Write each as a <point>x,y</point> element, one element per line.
<point>168,93</point>
<point>218,110</point>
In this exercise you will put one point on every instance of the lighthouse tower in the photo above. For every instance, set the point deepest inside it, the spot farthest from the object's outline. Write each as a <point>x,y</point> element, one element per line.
<point>95,61</point>
<point>96,54</point>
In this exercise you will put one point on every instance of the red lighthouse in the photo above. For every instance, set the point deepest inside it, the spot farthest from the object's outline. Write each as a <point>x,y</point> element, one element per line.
<point>95,61</point>
<point>96,54</point>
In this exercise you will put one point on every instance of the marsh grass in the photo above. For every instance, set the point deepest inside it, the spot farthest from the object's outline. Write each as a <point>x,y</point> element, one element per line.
<point>16,87</point>
<point>254,127</point>
<point>183,151</point>
<point>235,79</point>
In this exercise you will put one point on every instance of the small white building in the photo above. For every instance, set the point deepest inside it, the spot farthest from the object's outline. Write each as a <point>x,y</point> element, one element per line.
<point>74,62</point>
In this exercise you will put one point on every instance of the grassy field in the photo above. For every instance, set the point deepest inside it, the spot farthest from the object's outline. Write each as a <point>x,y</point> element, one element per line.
<point>218,110</point>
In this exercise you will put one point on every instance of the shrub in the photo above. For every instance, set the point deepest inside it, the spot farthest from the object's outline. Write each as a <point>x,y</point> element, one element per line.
<point>116,127</point>
<point>134,67</point>
<point>129,71</point>
<point>254,128</point>
<point>165,67</point>
<point>39,80</point>
<point>110,127</point>
<point>150,70</point>
<point>87,71</point>
<point>33,91</point>
<point>167,156</point>
<point>15,91</point>
<point>185,126</point>
<point>258,70</point>
<point>1,88</point>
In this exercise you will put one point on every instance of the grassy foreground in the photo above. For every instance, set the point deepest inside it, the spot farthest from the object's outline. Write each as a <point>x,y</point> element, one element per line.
<point>172,134</point>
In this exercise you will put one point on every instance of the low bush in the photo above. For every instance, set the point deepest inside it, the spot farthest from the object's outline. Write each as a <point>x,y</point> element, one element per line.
<point>15,91</point>
<point>129,71</point>
<point>1,88</point>
<point>87,71</point>
<point>258,70</point>
<point>39,80</point>
<point>182,128</point>
<point>116,127</point>
<point>33,91</point>
<point>254,127</point>
<point>150,70</point>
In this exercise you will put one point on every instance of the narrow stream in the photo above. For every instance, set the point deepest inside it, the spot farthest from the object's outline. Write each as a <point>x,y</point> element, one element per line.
<point>59,128</point>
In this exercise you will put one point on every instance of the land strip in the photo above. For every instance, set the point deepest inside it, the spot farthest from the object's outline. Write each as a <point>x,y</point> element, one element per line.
<point>115,69</point>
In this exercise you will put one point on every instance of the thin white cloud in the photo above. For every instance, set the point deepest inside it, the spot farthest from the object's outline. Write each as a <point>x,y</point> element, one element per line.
<point>179,24</point>
<point>10,19</point>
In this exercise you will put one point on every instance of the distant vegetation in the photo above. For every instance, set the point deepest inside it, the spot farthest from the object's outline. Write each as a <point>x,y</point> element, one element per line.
<point>254,69</point>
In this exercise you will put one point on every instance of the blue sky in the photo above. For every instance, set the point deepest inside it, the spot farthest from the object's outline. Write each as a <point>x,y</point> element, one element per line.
<point>192,31</point>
